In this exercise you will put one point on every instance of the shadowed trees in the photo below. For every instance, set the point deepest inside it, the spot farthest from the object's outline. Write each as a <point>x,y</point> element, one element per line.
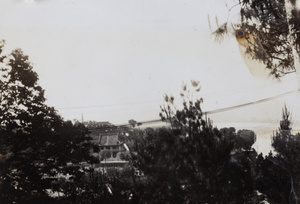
<point>36,145</point>
<point>190,161</point>
<point>278,173</point>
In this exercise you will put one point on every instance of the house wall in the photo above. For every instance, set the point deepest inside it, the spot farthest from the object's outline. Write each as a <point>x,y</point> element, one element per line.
<point>114,150</point>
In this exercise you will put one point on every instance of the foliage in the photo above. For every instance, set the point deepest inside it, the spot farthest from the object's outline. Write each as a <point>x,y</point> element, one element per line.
<point>124,156</point>
<point>272,180</point>
<point>96,187</point>
<point>192,162</point>
<point>243,139</point>
<point>156,159</point>
<point>104,154</point>
<point>284,165</point>
<point>188,161</point>
<point>276,31</point>
<point>134,123</point>
<point>288,153</point>
<point>36,144</point>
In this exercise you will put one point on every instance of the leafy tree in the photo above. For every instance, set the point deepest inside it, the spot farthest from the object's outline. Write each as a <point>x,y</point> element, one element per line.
<point>243,139</point>
<point>134,123</point>
<point>124,156</point>
<point>274,25</point>
<point>104,154</point>
<point>35,144</point>
<point>272,180</point>
<point>190,161</point>
<point>156,159</point>
<point>93,187</point>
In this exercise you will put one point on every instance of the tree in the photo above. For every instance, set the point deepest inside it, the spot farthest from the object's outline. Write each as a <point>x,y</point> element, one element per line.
<point>104,154</point>
<point>134,123</point>
<point>278,174</point>
<point>287,146</point>
<point>156,158</point>
<point>190,161</point>
<point>271,28</point>
<point>36,144</point>
<point>272,181</point>
<point>243,139</point>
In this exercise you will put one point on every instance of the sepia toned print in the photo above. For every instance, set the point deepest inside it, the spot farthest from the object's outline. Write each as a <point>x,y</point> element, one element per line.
<point>128,101</point>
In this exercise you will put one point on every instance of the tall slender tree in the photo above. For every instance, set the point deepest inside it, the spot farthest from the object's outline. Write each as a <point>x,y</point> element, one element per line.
<point>287,147</point>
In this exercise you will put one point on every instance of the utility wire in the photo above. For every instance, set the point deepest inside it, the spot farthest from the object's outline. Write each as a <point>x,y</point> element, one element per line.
<point>205,112</point>
<point>247,104</point>
<point>153,101</point>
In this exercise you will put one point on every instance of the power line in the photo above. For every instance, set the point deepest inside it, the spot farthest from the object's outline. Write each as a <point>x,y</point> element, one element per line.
<point>205,112</point>
<point>153,101</point>
<point>249,103</point>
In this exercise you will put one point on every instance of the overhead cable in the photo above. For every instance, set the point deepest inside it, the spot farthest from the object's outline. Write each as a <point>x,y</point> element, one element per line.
<point>205,112</point>
<point>249,103</point>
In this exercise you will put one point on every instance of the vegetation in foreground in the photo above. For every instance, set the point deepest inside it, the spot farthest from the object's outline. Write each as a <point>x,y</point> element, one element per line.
<point>45,159</point>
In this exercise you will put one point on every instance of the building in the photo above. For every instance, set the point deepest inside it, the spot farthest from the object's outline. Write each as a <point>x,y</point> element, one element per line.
<point>112,152</point>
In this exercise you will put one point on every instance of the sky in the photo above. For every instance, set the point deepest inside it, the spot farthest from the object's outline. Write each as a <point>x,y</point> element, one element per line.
<point>113,60</point>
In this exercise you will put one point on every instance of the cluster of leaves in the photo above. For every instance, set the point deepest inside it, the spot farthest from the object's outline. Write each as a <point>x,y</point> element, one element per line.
<point>192,162</point>
<point>269,22</point>
<point>276,33</point>
<point>36,144</point>
<point>95,187</point>
<point>276,175</point>
<point>207,166</point>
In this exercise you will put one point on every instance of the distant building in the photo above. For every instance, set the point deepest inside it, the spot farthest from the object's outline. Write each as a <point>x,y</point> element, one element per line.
<point>95,124</point>
<point>112,151</point>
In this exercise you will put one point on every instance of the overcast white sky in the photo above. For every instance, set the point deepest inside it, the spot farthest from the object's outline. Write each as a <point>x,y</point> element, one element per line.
<point>113,60</point>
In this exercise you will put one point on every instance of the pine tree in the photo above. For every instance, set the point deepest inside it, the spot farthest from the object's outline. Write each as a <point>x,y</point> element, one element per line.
<point>275,26</point>
<point>288,153</point>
